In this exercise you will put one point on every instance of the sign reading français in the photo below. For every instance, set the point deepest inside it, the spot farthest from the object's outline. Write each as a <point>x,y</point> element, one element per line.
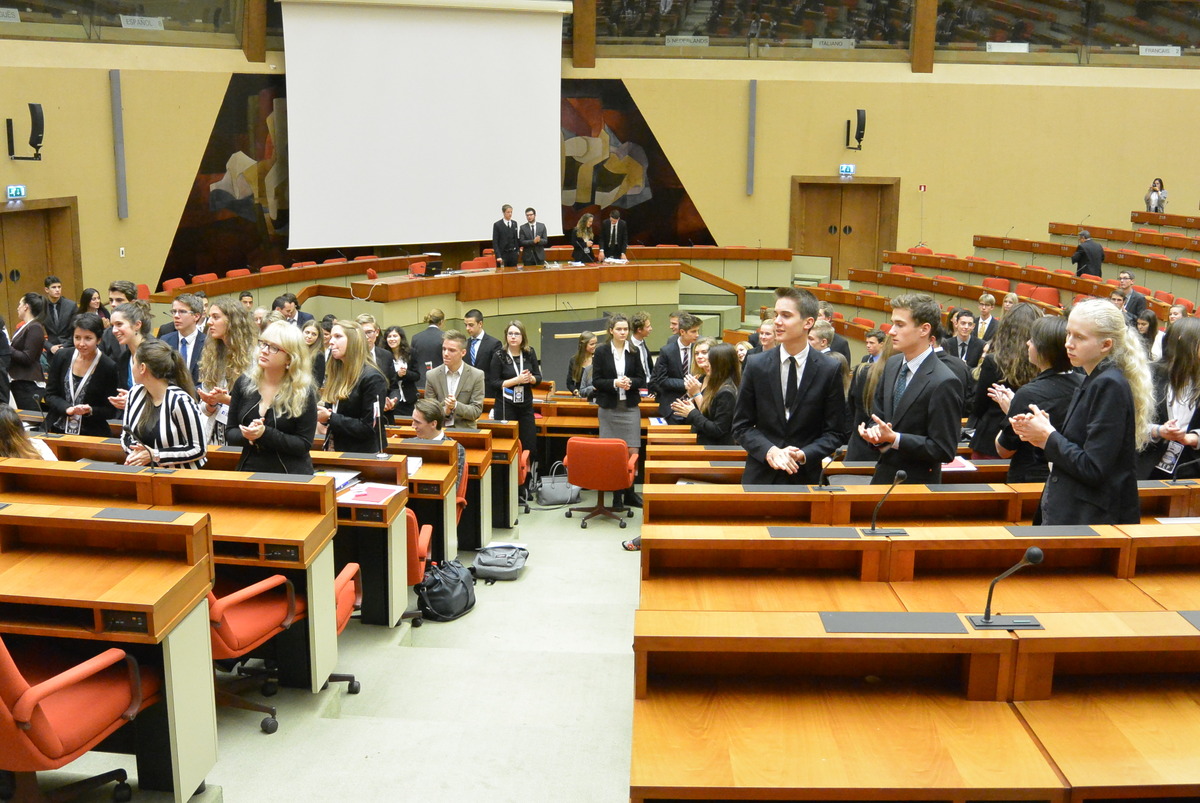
<point>1159,50</point>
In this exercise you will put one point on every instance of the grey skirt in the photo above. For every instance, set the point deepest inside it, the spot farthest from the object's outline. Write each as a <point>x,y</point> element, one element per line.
<point>622,422</point>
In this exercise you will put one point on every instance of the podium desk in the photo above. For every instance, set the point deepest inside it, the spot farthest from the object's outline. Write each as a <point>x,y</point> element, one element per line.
<point>506,469</point>
<point>275,522</point>
<point>70,572</point>
<point>375,536</point>
<point>914,505</point>
<point>713,470</point>
<point>40,482</point>
<point>432,489</point>
<point>693,451</point>
<point>988,471</point>
<point>1158,499</point>
<point>795,644</point>
<point>764,590</point>
<point>694,505</point>
<point>1031,591</point>
<point>475,527</point>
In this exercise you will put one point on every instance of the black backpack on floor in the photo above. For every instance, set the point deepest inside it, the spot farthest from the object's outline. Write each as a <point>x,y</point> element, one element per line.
<point>447,592</point>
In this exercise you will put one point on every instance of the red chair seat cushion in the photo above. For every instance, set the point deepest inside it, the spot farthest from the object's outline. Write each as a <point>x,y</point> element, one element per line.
<point>252,623</point>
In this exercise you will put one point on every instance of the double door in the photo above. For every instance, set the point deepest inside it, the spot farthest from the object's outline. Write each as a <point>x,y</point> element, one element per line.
<point>850,221</point>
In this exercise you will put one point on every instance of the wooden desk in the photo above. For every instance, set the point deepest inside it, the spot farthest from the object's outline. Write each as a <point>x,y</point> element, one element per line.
<point>475,529</point>
<point>822,739</point>
<point>1164,562</point>
<point>506,469</point>
<point>789,644</point>
<point>724,472</point>
<point>693,451</point>
<point>986,471</point>
<point>375,536</point>
<point>765,590</point>
<point>1031,591</point>
<point>40,482</point>
<point>914,505</point>
<point>432,489</point>
<point>64,573</point>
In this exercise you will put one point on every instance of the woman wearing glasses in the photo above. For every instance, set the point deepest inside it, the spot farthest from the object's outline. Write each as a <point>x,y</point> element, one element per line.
<point>273,409</point>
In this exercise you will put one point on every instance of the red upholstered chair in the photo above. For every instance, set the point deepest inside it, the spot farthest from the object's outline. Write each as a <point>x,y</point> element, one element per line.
<point>54,709</point>
<point>945,279</point>
<point>920,249</point>
<point>867,293</point>
<point>143,292</point>
<point>996,283</point>
<point>901,269</point>
<point>271,268</point>
<point>204,277</point>
<point>830,286</point>
<point>372,274</point>
<point>303,264</point>
<point>976,259</point>
<point>886,327</point>
<point>1064,272</point>
<point>1048,295</point>
<point>951,256</point>
<point>468,265</point>
<point>1143,290</point>
<point>334,261</point>
<point>417,269</point>
<point>1006,262</point>
<point>347,593</point>
<point>241,620</point>
<point>1149,231</point>
<point>1164,296</point>
<point>1112,282</point>
<point>237,272</point>
<point>365,258</point>
<point>420,553</point>
<point>867,322</point>
<point>599,464</point>
<point>1189,306</point>
<point>523,475</point>
<point>1025,289</point>
<point>1080,298</point>
<point>173,284</point>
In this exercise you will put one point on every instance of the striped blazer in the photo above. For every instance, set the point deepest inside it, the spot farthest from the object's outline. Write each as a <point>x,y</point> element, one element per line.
<point>180,428</point>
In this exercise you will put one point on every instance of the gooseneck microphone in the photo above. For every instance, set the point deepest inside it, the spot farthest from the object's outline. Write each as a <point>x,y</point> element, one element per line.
<point>900,477</point>
<point>1032,557</point>
<point>838,453</point>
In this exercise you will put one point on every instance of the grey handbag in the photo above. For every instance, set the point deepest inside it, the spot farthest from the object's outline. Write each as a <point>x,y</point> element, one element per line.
<point>555,490</point>
<point>499,562</point>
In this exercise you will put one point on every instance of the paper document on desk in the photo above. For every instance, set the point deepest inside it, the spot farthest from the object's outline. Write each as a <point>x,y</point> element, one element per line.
<point>414,465</point>
<point>616,261</point>
<point>341,479</point>
<point>1178,520</point>
<point>959,464</point>
<point>372,493</point>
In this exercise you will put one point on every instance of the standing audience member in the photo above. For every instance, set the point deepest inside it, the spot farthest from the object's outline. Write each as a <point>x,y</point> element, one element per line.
<point>505,243</point>
<point>1175,439</point>
<point>1093,455</point>
<point>273,408</point>
<point>1007,363</point>
<point>614,236</point>
<point>186,338</point>
<point>1010,300</point>
<point>15,441</point>
<point>791,408</point>
<point>1135,303</point>
<point>120,292</point>
<point>312,339</point>
<point>837,343</point>
<point>406,371</point>
<point>640,327</point>
<point>480,345</point>
<point>381,358</point>
<point>25,367</point>
<point>1156,197</point>
<point>860,399</point>
<point>874,341</point>
<point>579,372</point>
<point>986,323</point>
<point>246,298</point>
<point>59,313</point>
<point>427,344</point>
<point>617,377</point>
<point>1152,338</point>
<point>131,326</point>
<point>821,337</point>
<point>963,343</point>
<point>229,349</point>
<point>581,240</point>
<point>458,387</point>
<point>1176,312</point>
<point>917,409</point>
<point>1051,390</point>
<point>162,425</point>
<point>514,373</point>
<point>1088,256</point>
<point>90,301</point>
<point>80,382</point>
<point>351,418</point>
<point>1119,297</point>
<point>743,348</point>
<point>711,414</point>
<point>533,239</point>
<point>766,335</point>
<point>673,363</point>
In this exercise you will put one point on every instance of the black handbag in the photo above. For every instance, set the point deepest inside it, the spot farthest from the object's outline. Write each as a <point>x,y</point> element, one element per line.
<point>447,592</point>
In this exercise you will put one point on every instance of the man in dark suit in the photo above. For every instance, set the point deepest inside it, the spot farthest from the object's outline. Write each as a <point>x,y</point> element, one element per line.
<point>505,242</point>
<point>790,410</point>
<point>427,344</point>
<point>533,239</point>
<point>1119,297</point>
<point>957,367</point>
<point>964,344</point>
<point>839,343</point>
<point>291,310</point>
<point>188,340</point>
<point>480,345</point>
<point>640,329</point>
<point>1088,256</point>
<point>58,315</point>
<point>1135,304</point>
<point>986,324</point>
<point>614,237</point>
<point>673,364</point>
<point>918,403</point>
<point>874,342</point>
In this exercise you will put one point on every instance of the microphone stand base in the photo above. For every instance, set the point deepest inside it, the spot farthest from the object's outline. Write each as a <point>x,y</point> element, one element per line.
<point>1018,622</point>
<point>883,531</point>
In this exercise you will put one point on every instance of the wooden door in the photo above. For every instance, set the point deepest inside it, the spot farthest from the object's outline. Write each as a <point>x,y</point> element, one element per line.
<point>38,238</point>
<point>850,222</point>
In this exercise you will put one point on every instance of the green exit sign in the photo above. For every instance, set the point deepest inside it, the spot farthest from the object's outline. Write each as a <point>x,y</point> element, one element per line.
<point>16,191</point>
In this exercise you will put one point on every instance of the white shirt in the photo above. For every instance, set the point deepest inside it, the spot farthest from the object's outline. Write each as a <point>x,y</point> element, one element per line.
<point>784,359</point>
<point>619,362</point>
<point>191,345</point>
<point>452,380</point>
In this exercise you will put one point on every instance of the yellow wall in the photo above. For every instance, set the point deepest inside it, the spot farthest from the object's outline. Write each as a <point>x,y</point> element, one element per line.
<point>998,146</point>
<point>171,97</point>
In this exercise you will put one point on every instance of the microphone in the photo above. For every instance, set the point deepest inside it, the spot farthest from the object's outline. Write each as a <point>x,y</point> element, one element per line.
<point>838,453</point>
<point>1004,251</point>
<point>900,477</point>
<point>1174,481</point>
<point>1085,219</point>
<point>1032,557</point>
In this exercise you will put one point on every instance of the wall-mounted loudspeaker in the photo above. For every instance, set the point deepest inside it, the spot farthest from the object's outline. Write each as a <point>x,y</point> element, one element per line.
<point>859,131</point>
<point>36,130</point>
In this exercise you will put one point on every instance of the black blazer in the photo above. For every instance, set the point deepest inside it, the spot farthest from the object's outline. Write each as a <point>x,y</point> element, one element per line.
<point>974,349</point>
<point>581,251</point>
<point>815,425</point>
<point>407,383</point>
<point>102,385</point>
<point>986,334</point>
<point>59,335</point>
<point>1148,458</point>
<point>427,347</point>
<point>172,339</point>
<point>928,418</point>
<point>606,248</point>
<point>1094,479</point>
<point>1051,391</point>
<point>26,361</point>
<point>841,345</point>
<point>716,428</point>
<point>856,413</point>
<point>963,374</point>
<point>1088,258</point>
<point>504,240</point>
<point>488,346</point>
<point>286,443</point>
<point>989,418</point>
<point>355,427</point>
<point>604,373</point>
<point>666,380</point>
<point>533,253</point>
<point>501,368</point>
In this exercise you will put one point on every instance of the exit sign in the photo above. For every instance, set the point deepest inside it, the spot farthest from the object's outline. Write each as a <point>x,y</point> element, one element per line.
<point>16,191</point>
<point>847,170</point>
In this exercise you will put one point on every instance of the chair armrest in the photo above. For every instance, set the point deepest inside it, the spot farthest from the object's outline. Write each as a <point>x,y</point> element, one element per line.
<point>632,465</point>
<point>424,542</point>
<point>217,612</point>
<point>23,710</point>
<point>351,573</point>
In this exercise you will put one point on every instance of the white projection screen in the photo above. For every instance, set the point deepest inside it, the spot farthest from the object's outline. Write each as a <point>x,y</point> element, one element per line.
<point>414,124</point>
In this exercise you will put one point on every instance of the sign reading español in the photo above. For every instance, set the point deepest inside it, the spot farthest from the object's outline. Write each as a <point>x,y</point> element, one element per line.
<point>9,15</point>
<point>142,23</point>
<point>687,41</point>
<point>1159,50</point>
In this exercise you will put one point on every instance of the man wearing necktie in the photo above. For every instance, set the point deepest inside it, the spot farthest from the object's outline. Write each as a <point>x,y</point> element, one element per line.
<point>964,344</point>
<point>533,239</point>
<point>59,312</point>
<point>790,412</point>
<point>505,242</point>
<point>640,329</point>
<point>480,346</point>
<point>918,402</point>
<point>186,338</point>
<point>614,237</point>
<point>673,364</point>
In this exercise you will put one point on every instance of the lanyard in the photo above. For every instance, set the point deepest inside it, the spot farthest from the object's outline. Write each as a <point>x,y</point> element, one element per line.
<point>74,392</point>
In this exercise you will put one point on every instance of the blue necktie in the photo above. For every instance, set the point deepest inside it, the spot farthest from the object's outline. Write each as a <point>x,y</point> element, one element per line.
<point>901,386</point>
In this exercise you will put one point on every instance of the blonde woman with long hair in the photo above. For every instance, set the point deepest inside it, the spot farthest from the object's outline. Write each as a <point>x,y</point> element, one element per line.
<point>228,352</point>
<point>354,393</point>
<point>1094,455</point>
<point>273,409</point>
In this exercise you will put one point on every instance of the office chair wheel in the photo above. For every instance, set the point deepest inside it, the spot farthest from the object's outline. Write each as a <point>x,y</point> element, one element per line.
<point>525,509</point>
<point>270,688</point>
<point>583,525</point>
<point>269,725</point>
<point>568,514</point>
<point>622,524</point>
<point>353,687</point>
<point>628,514</point>
<point>418,621</point>
<point>122,792</point>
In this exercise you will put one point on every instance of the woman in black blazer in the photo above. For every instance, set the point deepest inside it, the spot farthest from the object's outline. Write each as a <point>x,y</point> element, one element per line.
<point>618,381</point>
<point>80,381</point>
<point>405,369</point>
<point>25,366</point>
<point>712,421</point>
<point>513,371</point>
<point>1094,455</point>
<point>1007,363</point>
<point>1175,439</point>
<point>273,408</point>
<point>353,396</point>
<point>581,241</point>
